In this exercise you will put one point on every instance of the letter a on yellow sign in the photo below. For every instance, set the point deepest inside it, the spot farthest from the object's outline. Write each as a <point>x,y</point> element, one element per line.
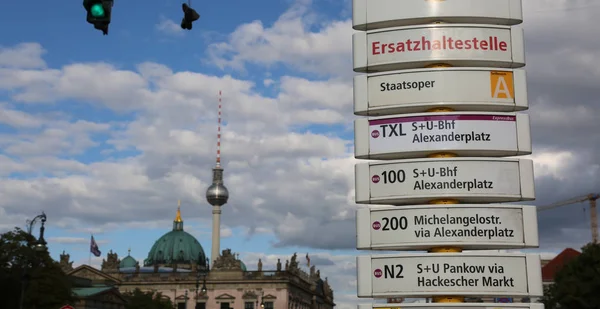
<point>502,85</point>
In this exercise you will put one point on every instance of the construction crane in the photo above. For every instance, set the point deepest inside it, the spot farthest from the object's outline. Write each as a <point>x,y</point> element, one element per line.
<point>593,212</point>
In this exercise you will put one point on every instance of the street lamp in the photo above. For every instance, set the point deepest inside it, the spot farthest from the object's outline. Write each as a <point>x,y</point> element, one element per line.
<point>39,246</point>
<point>262,295</point>
<point>201,273</point>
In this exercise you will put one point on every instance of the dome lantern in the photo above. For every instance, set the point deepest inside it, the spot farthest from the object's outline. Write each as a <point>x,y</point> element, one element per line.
<point>178,222</point>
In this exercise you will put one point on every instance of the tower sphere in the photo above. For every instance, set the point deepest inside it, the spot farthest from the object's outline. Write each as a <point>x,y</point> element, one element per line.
<point>217,194</point>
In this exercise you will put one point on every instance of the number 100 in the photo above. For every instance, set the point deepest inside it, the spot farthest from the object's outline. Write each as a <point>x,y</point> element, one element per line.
<point>393,176</point>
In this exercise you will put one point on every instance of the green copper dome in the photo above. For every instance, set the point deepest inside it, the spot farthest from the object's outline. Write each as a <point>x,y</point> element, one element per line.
<point>128,261</point>
<point>243,266</point>
<point>176,247</point>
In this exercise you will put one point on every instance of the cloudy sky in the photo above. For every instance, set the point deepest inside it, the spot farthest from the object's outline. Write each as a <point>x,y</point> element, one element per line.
<point>105,134</point>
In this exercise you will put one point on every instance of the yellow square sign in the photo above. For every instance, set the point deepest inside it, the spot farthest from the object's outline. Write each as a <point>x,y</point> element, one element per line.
<point>502,85</point>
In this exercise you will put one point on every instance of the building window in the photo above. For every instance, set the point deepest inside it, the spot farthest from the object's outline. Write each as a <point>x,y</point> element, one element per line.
<point>181,306</point>
<point>269,305</point>
<point>200,306</point>
<point>225,306</point>
<point>248,305</point>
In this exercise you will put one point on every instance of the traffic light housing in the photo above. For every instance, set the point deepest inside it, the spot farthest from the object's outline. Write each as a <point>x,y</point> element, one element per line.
<point>189,16</point>
<point>98,13</point>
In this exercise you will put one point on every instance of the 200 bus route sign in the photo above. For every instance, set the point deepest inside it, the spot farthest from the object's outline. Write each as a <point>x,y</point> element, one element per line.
<point>460,274</point>
<point>467,180</point>
<point>455,44</point>
<point>376,14</point>
<point>462,133</point>
<point>452,306</point>
<point>462,89</point>
<point>423,227</point>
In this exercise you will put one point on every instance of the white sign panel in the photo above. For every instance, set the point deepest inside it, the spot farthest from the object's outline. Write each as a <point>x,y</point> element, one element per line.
<point>462,133</point>
<point>458,274</point>
<point>467,180</point>
<point>455,44</point>
<point>469,227</point>
<point>375,14</point>
<point>462,89</point>
<point>453,306</point>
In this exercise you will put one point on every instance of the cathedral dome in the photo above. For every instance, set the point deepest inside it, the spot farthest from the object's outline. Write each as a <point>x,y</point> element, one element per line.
<point>128,261</point>
<point>176,247</point>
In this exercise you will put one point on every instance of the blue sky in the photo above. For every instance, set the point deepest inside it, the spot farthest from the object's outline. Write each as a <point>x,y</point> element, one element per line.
<point>134,38</point>
<point>106,133</point>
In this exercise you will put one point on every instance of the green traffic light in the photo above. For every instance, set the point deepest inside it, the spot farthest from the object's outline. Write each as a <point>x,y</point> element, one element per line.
<point>97,10</point>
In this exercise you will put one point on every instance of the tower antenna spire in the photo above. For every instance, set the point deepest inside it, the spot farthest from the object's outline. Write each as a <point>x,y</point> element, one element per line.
<point>219,133</point>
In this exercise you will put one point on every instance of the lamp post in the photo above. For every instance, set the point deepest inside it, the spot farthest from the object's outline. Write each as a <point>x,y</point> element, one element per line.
<point>262,295</point>
<point>201,273</point>
<point>39,246</point>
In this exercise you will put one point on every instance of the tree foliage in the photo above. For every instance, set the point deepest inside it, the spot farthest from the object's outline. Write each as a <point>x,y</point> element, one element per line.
<point>146,300</point>
<point>577,284</point>
<point>22,267</point>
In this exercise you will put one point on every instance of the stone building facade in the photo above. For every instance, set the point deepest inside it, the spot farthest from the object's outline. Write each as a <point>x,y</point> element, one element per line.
<point>177,268</point>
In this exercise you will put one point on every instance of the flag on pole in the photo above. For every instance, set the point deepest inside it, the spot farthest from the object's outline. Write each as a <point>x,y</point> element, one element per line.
<point>94,248</point>
<point>307,260</point>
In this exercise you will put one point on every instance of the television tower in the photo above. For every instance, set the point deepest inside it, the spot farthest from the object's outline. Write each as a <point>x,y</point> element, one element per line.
<point>217,195</point>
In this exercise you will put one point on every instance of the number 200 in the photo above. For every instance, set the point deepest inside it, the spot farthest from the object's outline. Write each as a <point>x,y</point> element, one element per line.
<point>394,223</point>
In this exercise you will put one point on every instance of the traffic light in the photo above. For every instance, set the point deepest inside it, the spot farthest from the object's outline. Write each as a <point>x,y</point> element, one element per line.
<point>98,13</point>
<point>189,16</point>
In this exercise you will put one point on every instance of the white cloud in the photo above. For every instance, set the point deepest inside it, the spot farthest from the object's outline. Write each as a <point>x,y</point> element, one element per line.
<point>226,232</point>
<point>553,164</point>
<point>18,119</point>
<point>289,41</point>
<point>168,26</point>
<point>24,55</point>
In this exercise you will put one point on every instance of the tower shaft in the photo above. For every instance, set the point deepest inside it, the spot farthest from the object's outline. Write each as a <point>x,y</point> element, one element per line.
<point>216,233</point>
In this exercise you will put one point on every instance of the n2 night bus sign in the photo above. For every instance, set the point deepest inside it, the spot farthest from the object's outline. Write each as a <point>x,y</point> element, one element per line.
<point>452,306</point>
<point>460,274</point>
